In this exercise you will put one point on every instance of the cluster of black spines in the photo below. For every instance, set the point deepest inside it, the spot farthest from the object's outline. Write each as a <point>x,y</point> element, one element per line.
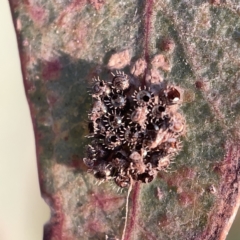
<point>134,132</point>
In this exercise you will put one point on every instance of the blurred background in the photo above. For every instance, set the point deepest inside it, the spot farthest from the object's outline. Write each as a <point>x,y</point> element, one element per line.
<point>22,210</point>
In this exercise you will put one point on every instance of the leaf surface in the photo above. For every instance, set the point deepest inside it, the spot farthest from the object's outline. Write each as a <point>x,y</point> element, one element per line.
<point>63,44</point>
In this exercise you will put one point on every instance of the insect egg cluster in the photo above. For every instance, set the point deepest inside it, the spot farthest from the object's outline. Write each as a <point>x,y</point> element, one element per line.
<point>135,132</point>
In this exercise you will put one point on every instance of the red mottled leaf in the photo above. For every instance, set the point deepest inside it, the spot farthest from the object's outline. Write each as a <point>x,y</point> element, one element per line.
<point>192,44</point>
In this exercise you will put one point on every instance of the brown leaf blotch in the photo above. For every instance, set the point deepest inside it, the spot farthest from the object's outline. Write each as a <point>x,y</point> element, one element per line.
<point>167,45</point>
<point>185,199</point>
<point>38,14</point>
<point>106,202</point>
<point>164,221</point>
<point>215,2</point>
<point>139,67</point>
<point>153,77</point>
<point>188,173</point>
<point>188,96</point>
<point>97,4</point>
<point>160,61</point>
<point>51,70</point>
<point>119,60</point>
<point>202,85</point>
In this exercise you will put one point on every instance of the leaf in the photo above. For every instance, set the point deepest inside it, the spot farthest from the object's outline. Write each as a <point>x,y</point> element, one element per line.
<point>193,44</point>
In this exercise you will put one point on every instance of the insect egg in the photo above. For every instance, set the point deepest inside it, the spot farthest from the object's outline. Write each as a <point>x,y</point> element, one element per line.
<point>99,126</point>
<point>99,108</point>
<point>98,87</point>
<point>130,135</point>
<point>177,127</point>
<point>91,153</point>
<point>122,181</point>
<point>173,95</point>
<point>88,162</point>
<point>119,161</point>
<point>158,111</point>
<point>144,97</point>
<point>115,121</point>
<point>112,141</point>
<point>118,101</point>
<point>177,123</point>
<point>102,172</point>
<point>134,136</point>
<point>137,114</point>
<point>121,82</point>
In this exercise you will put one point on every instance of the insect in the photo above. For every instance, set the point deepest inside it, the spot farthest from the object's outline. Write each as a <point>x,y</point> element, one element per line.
<point>135,132</point>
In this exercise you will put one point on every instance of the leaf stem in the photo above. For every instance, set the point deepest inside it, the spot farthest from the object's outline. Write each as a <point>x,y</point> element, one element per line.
<point>127,231</point>
<point>127,208</point>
